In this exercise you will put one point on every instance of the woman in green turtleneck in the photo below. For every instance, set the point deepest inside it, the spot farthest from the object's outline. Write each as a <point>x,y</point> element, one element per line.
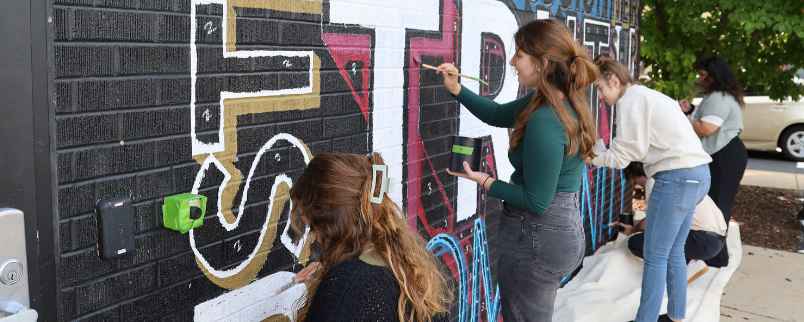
<point>541,235</point>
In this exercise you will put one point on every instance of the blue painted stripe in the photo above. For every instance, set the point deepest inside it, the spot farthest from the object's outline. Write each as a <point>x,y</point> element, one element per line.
<point>445,243</point>
<point>622,191</point>
<point>611,202</point>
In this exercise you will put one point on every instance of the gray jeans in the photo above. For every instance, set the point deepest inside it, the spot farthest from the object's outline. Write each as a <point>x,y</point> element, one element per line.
<point>533,253</point>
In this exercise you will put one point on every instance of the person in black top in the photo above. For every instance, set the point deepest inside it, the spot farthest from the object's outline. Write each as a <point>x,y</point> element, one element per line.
<point>372,267</point>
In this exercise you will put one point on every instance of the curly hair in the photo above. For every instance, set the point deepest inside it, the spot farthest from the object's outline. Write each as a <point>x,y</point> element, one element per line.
<point>333,197</point>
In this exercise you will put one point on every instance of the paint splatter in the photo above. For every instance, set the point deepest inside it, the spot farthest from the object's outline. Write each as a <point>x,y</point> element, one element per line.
<point>210,28</point>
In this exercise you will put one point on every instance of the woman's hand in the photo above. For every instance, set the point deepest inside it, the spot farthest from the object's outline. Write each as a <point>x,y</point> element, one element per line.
<point>686,107</point>
<point>628,230</point>
<point>306,273</point>
<point>450,73</point>
<point>599,147</point>
<point>481,178</point>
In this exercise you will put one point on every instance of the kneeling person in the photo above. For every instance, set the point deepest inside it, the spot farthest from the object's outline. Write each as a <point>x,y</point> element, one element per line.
<point>707,232</point>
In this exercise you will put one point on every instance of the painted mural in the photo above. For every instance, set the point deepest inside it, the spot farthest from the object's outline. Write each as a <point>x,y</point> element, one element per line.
<point>268,60</point>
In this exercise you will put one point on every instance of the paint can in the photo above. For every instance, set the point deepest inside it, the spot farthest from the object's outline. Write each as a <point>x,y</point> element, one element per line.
<point>627,218</point>
<point>465,149</point>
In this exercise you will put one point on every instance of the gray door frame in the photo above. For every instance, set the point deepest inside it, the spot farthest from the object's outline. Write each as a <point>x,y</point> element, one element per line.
<point>27,126</point>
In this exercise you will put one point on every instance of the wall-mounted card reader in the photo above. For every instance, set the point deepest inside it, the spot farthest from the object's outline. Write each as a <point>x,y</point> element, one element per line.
<point>116,227</point>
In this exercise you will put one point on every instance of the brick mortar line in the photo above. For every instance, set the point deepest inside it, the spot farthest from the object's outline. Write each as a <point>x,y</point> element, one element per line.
<point>147,108</point>
<point>145,140</point>
<point>110,177</point>
<point>116,9</point>
<point>85,215</point>
<point>152,232</point>
<point>68,78</point>
<point>151,108</point>
<point>176,75</point>
<point>177,13</point>
<point>87,147</point>
<point>277,47</point>
<point>155,262</point>
<point>135,141</point>
<point>117,305</point>
<point>120,78</point>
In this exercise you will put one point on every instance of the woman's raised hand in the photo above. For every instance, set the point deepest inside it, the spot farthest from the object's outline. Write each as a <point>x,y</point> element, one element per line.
<point>450,73</point>
<point>686,107</point>
<point>482,178</point>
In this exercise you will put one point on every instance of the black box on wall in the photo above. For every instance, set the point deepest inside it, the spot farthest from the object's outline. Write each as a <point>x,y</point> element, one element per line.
<point>116,223</point>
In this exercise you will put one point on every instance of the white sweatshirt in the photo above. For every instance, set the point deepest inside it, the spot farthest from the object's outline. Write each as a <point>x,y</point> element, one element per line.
<point>652,129</point>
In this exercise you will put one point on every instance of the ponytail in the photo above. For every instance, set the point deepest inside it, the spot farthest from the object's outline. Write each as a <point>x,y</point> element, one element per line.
<point>569,71</point>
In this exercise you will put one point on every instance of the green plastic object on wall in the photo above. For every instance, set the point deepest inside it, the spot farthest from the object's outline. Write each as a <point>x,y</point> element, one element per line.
<point>183,212</point>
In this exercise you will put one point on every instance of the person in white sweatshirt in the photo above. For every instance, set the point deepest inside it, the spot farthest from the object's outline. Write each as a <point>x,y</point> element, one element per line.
<point>707,232</point>
<point>652,129</point>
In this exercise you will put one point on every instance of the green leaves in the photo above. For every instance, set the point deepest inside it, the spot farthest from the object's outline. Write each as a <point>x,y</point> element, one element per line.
<point>761,40</point>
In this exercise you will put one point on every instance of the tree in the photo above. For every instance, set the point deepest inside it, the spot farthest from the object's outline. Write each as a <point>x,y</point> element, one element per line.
<point>761,40</point>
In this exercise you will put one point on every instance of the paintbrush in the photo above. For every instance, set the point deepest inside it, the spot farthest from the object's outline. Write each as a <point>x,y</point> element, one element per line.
<point>286,287</point>
<point>313,267</point>
<point>461,75</point>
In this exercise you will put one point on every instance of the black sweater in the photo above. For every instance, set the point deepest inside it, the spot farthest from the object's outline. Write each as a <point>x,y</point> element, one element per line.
<point>356,291</point>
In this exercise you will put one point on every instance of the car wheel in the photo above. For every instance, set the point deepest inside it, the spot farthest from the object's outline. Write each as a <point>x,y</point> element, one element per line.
<point>792,143</point>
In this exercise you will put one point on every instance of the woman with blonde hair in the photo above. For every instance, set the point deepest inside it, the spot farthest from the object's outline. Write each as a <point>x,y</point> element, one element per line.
<point>652,129</point>
<point>541,236</point>
<point>372,267</point>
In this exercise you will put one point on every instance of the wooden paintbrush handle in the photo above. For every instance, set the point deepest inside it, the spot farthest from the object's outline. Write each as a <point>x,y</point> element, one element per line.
<point>461,75</point>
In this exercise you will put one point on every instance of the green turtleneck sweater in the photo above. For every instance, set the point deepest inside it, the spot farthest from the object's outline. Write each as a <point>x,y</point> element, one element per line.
<point>541,167</point>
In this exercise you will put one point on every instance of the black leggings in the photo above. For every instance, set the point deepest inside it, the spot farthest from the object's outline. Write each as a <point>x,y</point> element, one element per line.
<point>727,169</point>
<point>701,245</point>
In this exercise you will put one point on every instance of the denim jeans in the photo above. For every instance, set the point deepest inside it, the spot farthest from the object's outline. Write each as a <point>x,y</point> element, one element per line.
<point>670,209</point>
<point>534,252</point>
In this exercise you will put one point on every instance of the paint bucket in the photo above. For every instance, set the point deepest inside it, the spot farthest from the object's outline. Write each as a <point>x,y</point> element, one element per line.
<point>465,149</point>
<point>627,218</point>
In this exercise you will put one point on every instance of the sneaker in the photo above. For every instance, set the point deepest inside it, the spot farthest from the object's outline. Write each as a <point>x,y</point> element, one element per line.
<point>664,318</point>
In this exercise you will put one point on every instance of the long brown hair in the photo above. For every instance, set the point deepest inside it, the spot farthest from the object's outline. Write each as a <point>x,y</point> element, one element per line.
<point>570,71</point>
<point>332,196</point>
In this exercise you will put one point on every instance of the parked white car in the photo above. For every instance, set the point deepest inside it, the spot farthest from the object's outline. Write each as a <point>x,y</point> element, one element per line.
<point>774,126</point>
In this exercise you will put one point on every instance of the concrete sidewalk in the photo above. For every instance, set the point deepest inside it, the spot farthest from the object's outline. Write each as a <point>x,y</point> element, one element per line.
<point>773,179</point>
<point>771,173</point>
<point>768,286</point>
